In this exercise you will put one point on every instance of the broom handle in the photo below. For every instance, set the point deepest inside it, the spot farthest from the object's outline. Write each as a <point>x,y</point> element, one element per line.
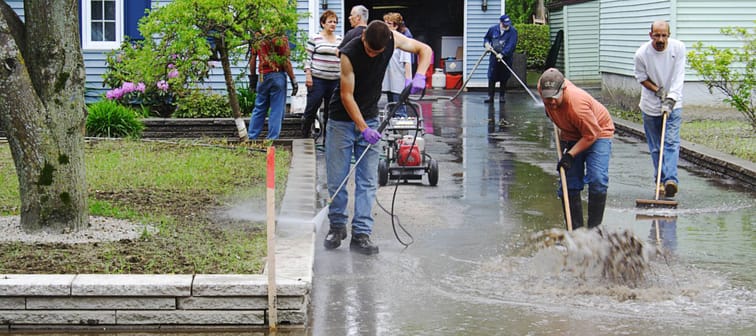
<point>661,155</point>
<point>563,178</point>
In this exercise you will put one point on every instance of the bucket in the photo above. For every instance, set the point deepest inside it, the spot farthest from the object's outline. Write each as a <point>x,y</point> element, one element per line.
<point>439,79</point>
<point>453,81</point>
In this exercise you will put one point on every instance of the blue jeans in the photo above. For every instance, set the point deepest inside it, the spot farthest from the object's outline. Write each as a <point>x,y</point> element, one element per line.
<point>271,94</point>
<point>343,141</point>
<point>653,126</point>
<point>321,91</point>
<point>590,167</point>
<point>401,111</point>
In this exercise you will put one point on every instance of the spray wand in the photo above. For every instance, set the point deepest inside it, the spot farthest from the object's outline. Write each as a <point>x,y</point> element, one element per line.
<point>320,217</point>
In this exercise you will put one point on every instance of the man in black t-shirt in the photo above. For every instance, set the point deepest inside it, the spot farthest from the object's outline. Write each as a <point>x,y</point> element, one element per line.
<point>351,129</point>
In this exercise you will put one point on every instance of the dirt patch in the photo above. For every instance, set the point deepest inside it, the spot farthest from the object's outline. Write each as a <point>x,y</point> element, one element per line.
<point>189,231</point>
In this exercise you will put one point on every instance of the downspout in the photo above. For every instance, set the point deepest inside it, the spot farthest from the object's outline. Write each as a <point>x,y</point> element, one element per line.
<point>313,20</point>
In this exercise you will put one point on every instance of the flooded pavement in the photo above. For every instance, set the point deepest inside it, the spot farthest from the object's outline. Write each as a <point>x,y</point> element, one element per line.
<point>473,270</point>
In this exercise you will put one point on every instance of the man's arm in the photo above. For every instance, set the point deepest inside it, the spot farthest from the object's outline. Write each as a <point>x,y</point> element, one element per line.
<point>488,38</point>
<point>347,94</point>
<point>678,75</point>
<point>422,50</point>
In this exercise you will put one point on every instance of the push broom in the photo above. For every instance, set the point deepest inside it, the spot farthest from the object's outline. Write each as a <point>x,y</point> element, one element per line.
<point>656,202</point>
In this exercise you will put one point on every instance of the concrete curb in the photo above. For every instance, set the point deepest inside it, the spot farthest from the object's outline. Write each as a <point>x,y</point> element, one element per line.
<point>139,301</point>
<point>722,163</point>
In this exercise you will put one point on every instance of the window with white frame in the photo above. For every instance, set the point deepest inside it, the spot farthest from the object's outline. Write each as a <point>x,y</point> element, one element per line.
<point>102,23</point>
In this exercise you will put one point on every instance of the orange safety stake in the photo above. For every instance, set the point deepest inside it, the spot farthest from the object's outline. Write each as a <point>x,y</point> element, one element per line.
<point>271,233</point>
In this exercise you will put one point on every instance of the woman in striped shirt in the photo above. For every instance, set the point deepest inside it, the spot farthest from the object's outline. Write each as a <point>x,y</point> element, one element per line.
<point>321,70</point>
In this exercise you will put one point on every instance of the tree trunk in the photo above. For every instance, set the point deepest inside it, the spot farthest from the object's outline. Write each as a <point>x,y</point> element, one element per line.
<point>233,99</point>
<point>43,113</point>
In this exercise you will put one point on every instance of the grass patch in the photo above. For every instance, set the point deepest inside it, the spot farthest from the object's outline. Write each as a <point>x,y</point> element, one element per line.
<point>176,189</point>
<point>730,136</point>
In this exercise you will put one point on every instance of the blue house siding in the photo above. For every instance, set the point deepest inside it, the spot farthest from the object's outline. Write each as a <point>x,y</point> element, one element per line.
<point>476,23</point>
<point>18,7</point>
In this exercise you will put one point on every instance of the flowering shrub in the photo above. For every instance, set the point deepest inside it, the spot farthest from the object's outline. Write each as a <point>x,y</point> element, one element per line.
<point>142,73</point>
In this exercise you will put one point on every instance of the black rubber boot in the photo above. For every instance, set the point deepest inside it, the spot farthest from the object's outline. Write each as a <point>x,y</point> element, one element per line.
<point>596,205</point>
<point>503,94</point>
<point>361,244</point>
<point>334,237</point>
<point>491,91</point>
<point>576,211</point>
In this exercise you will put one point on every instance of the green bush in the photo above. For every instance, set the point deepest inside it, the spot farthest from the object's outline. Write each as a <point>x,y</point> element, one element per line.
<point>533,40</point>
<point>731,71</point>
<point>246,98</point>
<point>107,118</point>
<point>202,104</point>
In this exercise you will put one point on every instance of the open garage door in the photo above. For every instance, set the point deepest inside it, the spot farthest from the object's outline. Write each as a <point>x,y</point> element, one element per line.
<point>438,23</point>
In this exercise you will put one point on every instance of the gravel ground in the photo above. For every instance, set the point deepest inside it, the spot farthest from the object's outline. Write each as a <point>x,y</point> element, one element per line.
<point>100,229</point>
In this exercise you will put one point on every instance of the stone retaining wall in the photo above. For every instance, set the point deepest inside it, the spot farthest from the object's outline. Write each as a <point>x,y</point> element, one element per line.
<point>97,301</point>
<point>28,301</point>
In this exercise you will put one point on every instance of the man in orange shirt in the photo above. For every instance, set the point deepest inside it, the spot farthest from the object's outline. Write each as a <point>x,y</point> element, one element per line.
<point>586,131</point>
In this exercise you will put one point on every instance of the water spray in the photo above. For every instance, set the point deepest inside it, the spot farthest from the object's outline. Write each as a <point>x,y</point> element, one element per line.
<point>500,58</point>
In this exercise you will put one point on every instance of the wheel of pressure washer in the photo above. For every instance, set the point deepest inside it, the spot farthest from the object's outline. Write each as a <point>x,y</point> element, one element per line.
<point>433,172</point>
<point>383,172</point>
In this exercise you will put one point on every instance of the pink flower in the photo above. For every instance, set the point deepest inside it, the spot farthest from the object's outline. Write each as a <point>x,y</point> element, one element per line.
<point>171,66</point>
<point>162,85</point>
<point>173,74</point>
<point>114,94</point>
<point>140,87</point>
<point>128,87</point>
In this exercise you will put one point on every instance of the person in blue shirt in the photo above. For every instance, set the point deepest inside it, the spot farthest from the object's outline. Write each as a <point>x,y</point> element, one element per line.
<point>502,38</point>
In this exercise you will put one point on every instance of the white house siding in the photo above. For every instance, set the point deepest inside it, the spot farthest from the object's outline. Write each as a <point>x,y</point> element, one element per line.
<point>580,36</point>
<point>476,24</point>
<point>698,20</point>
<point>624,26</point>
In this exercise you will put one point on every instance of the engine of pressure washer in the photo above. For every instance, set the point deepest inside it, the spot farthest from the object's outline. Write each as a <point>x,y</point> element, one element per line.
<point>410,155</point>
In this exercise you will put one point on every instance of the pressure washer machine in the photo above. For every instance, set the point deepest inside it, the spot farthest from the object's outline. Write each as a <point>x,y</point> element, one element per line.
<point>404,157</point>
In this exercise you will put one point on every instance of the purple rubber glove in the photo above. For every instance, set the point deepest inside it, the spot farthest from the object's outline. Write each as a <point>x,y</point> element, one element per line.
<point>371,136</point>
<point>407,82</point>
<point>418,83</point>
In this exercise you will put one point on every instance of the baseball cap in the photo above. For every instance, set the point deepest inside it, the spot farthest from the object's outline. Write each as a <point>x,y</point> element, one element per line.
<point>551,83</point>
<point>505,19</point>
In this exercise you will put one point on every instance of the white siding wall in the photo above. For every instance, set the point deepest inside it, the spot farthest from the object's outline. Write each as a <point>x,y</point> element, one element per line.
<point>581,37</point>
<point>624,26</point>
<point>699,20</point>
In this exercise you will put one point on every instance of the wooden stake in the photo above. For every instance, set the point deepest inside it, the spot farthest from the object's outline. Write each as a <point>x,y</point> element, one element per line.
<point>271,239</point>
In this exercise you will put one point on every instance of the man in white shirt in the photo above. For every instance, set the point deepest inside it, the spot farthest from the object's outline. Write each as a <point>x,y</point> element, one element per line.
<point>660,69</point>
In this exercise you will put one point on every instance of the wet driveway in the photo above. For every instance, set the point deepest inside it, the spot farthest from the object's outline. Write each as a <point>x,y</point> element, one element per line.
<point>472,270</point>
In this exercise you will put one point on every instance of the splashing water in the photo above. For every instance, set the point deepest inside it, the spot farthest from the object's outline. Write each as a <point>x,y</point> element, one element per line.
<point>619,256</point>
